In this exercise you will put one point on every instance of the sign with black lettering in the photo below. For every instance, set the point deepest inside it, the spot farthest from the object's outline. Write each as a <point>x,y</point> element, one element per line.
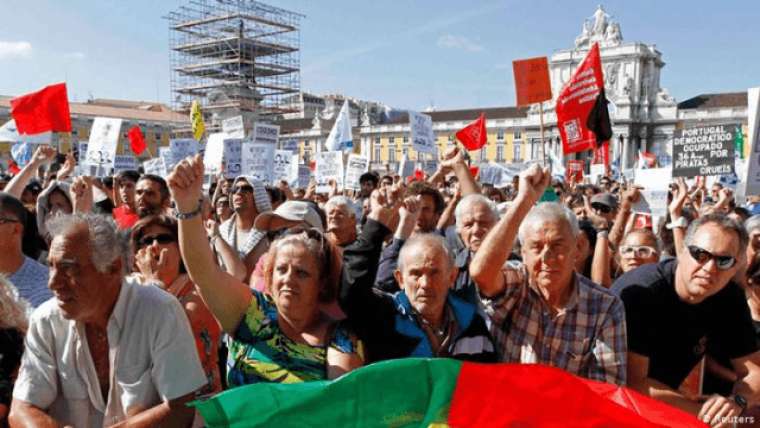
<point>704,150</point>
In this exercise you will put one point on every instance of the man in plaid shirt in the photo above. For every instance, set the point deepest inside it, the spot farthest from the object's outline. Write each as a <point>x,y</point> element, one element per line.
<point>542,311</point>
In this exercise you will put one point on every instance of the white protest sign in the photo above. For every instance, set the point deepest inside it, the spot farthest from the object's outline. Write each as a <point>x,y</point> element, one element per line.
<point>182,148</point>
<point>212,157</point>
<point>81,152</point>
<point>283,166</point>
<point>422,135</point>
<point>329,166</point>
<point>265,133</point>
<point>304,175</point>
<point>155,166</point>
<point>232,157</point>
<point>290,145</point>
<point>258,160</point>
<point>165,153</point>
<point>356,165</point>
<point>597,171</point>
<point>233,127</point>
<point>104,137</point>
<point>490,174</point>
<point>124,163</point>
<point>656,183</point>
<point>405,167</point>
<point>751,176</point>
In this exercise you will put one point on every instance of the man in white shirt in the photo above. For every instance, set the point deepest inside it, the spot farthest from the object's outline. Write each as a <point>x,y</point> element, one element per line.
<point>104,351</point>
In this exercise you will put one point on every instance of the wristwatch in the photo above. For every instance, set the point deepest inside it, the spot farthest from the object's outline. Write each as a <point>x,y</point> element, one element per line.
<point>740,401</point>
<point>184,216</point>
<point>679,222</point>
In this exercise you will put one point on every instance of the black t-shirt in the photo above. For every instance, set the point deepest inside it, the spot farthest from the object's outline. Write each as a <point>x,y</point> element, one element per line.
<point>674,334</point>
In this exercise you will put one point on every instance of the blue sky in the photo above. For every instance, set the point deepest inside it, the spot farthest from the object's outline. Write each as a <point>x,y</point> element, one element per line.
<point>409,54</point>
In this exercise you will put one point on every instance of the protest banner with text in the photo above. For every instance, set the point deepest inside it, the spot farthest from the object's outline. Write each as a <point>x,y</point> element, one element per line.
<point>704,150</point>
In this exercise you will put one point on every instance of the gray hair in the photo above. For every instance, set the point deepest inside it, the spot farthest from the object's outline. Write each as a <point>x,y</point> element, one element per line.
<point>545,212</point>
<point>107,243</point>
<point>752,224</point>
<point>430,239</point>
<point>14,311</point>
<point>722,221</point>
<point>341,201</point>
<point>466,204</point>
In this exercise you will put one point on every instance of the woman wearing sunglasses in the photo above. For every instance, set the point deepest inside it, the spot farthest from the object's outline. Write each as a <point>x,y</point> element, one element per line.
<point>155,250</point>
<point>284,338</point>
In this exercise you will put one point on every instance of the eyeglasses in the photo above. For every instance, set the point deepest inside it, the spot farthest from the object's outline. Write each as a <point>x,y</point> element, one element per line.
<point>702,256</point>
<point>244,188</point>
<point>4,220</point>
<point>162,239</point>
<point>640,251</point>
<point>604,209</point>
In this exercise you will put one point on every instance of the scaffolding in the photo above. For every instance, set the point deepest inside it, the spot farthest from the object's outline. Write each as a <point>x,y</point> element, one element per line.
<point>236,57</point>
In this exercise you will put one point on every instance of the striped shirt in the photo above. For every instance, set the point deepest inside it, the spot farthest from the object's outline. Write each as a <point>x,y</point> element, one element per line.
<point>31,281</point>
<point>586,338</point>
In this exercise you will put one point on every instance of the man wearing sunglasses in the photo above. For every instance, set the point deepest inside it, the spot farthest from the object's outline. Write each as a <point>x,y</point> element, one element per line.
<point>249,199</point>
<point>675,308</point>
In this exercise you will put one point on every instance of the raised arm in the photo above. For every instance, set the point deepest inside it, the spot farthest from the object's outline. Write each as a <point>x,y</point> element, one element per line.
<point>42,155</point>
<point>454,160</point>
<point>227,297</point>
<point>485,268</point>
<point>629,197</point>
<point>676,212</point>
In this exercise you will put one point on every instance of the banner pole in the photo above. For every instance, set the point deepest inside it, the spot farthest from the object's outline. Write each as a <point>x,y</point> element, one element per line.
<point>541,129</point>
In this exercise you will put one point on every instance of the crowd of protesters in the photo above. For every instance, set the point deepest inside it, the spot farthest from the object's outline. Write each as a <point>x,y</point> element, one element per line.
<point>122,299</point>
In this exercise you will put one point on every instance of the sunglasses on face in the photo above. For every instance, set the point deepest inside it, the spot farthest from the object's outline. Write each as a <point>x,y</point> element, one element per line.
<point>702,256</point>
<point>640,251</point>
<point>162,239</point>
<point>244,188</point>
<point>604,209</point>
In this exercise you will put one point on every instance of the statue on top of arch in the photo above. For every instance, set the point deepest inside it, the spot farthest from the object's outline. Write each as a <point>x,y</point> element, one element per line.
<point>600,28</point>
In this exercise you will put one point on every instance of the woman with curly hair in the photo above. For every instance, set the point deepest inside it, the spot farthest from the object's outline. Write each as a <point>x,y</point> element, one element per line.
<point>13,324</point>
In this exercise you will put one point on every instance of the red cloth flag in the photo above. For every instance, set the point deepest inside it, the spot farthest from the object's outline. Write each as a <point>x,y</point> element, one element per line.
<point>42,111</point>
<point>578,101</point>
<point>136,140</point>
<point>419,175</point>
<point>473,136</point>
<point>13,168</point>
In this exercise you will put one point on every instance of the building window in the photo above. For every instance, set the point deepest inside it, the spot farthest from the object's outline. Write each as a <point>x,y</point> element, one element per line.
<point>534,149</point>
<point>500,135</point>
<point>406,139</point>
<point>377,150</point>
<point>377,141</point>
<point>500,152</point>
<point>405,149</point>
<point>518,134</point>
<point>483,154</point>
<point>391,153</point>
<point>392,142</point>
<point>517,151</point>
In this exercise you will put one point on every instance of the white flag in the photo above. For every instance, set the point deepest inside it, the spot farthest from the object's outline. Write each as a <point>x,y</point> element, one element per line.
<point>340,135</point>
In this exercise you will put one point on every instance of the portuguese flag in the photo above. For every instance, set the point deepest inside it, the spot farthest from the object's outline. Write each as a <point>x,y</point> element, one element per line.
<point>441,393</point>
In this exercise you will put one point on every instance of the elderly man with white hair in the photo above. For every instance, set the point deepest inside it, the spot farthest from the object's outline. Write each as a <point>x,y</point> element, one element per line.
<point>541,310</point>
<point>341,220</point>
<point>105,350</point>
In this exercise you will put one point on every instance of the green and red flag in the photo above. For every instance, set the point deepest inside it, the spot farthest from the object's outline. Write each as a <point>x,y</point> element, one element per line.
<point>441,393</point>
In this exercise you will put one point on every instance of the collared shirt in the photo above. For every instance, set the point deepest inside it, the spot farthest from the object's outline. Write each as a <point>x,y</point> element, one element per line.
<point>152,358</point>
<point>31,281</point>
<point>587,337</point>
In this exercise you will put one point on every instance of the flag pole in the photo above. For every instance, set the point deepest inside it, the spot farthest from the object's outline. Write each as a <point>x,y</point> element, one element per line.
<point>541,129</point>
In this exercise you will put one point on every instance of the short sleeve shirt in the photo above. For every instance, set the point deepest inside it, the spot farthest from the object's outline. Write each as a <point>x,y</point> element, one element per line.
<point>674,334</point>
<point>152,358</point>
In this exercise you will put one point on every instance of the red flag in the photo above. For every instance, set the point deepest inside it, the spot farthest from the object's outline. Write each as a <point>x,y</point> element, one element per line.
<point>576,102</point>
<point>419,174</point>
<point>473,136</point>
<point>642,221</point>
<point>136,140</point>
<point>13,168</point>
<point>574,171</point>
<point>474,170</point>
<point>602,155</point>
<point>42,111</point>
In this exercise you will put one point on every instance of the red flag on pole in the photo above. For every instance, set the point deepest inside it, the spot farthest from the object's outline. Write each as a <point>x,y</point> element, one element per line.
<point>473,136</point>
<point>136,140</point>
<point>42,111</point>
<point>580,101</point>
